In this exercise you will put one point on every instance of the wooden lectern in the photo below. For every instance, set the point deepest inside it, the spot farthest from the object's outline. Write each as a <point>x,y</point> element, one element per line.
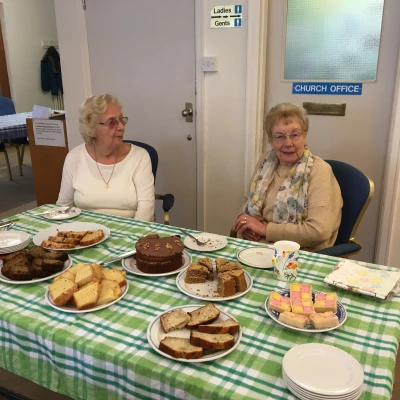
<point>47,166</point>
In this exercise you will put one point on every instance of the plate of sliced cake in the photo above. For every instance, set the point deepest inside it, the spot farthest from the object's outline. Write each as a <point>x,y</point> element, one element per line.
<point>86,288</point>
<point>33,265</point>
<point>302,309</point>
<point>194,333</point>
<point>71,236</point>
<point>214,280</point>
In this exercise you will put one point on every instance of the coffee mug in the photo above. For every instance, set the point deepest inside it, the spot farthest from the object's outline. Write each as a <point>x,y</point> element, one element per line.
<point>285,260</point>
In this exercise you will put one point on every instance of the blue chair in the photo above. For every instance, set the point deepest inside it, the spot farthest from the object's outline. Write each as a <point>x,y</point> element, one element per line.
<point>6,108</point>
<point>167,199</point>
<point>357,191</point>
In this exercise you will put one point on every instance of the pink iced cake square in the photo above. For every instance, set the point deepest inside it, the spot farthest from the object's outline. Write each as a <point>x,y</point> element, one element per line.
<point>302,307</point>
<point>325,302</point>
<point>324,320</point>
<point>278,302</point>
<point>300,291</point>
<point>292,319</point>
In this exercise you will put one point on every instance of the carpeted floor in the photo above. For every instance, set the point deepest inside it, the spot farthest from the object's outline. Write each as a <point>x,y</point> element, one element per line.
<point>19,194</point>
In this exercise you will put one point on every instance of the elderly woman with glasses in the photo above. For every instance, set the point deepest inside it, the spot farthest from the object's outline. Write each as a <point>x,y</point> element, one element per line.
<point>293,194</point>
<point>105,174</point>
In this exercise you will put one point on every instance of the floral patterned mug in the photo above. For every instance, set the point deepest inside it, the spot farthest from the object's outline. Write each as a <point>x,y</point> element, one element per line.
<point>285,260</point>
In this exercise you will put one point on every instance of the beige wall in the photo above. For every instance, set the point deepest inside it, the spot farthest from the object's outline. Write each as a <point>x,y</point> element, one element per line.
<point>25,24</point>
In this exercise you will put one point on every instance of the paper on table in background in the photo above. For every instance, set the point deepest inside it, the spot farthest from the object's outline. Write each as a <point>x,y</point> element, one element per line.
<point>356,278</point>
<point>49,132</point>
<point>41,112</point>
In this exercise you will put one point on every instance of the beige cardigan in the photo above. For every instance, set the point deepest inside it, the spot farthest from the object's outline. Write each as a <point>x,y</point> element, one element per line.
<point>325,203</point>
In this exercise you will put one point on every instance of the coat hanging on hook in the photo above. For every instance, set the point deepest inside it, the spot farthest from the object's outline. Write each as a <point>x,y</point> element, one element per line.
<point>50,68</point>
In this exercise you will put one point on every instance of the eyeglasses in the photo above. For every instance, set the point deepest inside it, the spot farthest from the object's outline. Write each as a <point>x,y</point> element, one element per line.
<point>281,137</point>
<point>113,122</point>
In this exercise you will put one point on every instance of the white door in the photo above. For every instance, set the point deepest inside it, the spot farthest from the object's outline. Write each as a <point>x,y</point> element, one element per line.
<point>144,53</point>
<point>360,138</point>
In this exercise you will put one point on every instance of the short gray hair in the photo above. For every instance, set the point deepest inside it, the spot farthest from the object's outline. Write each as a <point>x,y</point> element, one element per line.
<point>287,112</point>
<point>90,112</point>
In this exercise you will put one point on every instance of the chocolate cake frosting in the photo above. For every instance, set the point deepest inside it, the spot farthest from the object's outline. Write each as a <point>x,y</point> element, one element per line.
<point>155,254</point>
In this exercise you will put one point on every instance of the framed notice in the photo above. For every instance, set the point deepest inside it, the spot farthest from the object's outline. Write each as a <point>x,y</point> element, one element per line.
<point>48,152</point>
<point>48,132</point>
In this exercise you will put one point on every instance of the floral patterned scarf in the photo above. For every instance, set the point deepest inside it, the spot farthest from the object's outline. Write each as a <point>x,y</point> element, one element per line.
<point>291,204</point>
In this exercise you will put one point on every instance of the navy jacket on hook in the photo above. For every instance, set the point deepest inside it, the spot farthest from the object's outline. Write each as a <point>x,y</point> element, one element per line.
<point>50,69</point>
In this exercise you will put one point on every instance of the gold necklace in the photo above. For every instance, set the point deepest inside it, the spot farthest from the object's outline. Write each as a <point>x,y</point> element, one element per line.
<point>116,158</point>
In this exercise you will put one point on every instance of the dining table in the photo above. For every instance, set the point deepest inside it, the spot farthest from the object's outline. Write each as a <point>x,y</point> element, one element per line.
<point>13,126</point>
<point>106,354</point>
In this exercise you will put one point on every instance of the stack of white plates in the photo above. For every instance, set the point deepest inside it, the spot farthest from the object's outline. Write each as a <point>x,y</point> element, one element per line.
<point>316,371</point>
<point>11,241</point>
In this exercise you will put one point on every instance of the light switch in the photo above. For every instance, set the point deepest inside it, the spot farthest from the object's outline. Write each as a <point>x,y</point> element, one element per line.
<point>209,64</point>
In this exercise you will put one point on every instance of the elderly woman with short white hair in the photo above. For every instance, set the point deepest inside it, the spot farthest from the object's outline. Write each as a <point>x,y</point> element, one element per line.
<point>293,194</point>
<point>105,174</point>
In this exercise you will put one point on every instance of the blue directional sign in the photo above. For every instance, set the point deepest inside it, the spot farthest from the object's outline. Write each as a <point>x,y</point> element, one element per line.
<point>230,16</point>
<point>354,89</point>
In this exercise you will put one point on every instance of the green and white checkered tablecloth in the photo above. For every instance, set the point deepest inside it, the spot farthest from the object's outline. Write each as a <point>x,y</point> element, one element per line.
<point>106,355</point>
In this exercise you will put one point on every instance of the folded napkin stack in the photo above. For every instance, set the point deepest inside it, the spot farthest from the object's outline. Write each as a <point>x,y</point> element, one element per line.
<point>351,276</point>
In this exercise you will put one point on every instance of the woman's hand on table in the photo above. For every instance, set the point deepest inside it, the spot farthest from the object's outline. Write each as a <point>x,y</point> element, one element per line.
<point>251,228</point>
<point>248,234</point>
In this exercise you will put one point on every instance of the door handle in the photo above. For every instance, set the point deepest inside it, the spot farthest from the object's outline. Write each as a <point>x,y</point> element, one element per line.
<point>188,112</point>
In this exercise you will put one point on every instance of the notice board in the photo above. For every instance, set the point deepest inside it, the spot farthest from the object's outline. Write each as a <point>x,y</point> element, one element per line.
<point>47,165</point>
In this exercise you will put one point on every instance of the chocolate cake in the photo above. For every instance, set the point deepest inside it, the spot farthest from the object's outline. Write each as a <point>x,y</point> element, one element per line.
<point>155,254</point>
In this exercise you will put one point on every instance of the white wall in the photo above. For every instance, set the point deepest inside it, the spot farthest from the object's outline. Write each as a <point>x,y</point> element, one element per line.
<point>25,24</point>
<point>74,55</point>
<point>389,232</point>
<point>224,122</point>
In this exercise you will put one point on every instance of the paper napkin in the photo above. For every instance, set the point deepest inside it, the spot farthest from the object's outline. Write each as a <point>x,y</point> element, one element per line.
<point>379,283</point>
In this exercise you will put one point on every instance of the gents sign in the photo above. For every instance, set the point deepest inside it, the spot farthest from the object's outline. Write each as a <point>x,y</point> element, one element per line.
<point>226,16</point>
<point>327,88</point>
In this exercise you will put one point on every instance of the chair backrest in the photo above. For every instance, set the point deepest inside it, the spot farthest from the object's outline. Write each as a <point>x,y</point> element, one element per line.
<point>6,106</point>
<point>152,153</point>
<point>357,191</point>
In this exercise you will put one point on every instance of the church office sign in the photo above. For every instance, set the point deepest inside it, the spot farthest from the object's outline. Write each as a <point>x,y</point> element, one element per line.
<point>327,88</point>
